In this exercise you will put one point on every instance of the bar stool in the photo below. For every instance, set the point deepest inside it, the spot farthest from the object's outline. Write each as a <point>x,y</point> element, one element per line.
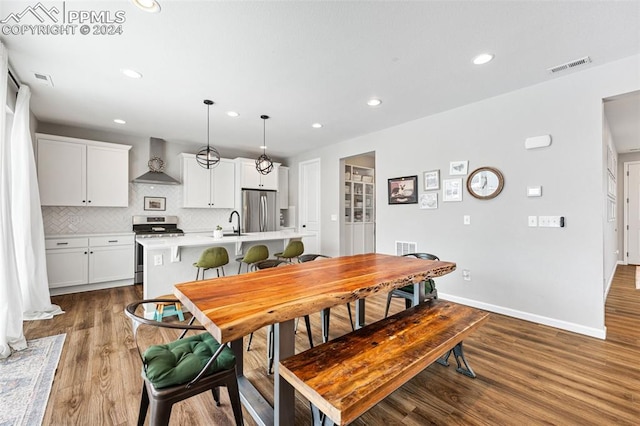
<point>293,250</point>
<point>166,309</point>
<point>212,258</point>
<point>252,256</point>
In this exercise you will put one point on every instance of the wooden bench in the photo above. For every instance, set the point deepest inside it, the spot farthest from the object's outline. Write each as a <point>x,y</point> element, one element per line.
<point>347,376</point>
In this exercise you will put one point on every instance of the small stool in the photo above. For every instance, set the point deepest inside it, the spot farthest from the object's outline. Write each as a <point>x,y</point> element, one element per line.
<point>212,258</point>
<point>293,250</point>
<point>166,309</point>
<point>254,254</point>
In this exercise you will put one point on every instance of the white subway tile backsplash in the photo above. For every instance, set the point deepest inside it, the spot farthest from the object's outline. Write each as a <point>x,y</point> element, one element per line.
<point>88,220</point>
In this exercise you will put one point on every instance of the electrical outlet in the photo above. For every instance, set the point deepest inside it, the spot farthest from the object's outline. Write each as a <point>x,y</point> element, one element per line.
<point>75,219</point>
<point>466,275</point>
<point>466,219</point>
<point>157,260</point>
<point>533,221</point>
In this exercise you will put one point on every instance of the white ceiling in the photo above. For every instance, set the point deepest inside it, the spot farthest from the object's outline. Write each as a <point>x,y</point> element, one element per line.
<point>305,62</point>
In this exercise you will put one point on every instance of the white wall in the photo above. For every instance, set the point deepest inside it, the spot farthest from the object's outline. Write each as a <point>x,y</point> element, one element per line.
<point>552,276</point>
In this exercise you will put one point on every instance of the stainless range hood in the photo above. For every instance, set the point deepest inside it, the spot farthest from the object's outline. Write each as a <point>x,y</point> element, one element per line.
<point>155,175</point>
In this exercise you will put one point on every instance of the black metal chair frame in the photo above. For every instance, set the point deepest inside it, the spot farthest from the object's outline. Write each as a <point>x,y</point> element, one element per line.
<point>327,312</point>
<point>162,400</point>
<point>274,263</point>
<point>408,297</point>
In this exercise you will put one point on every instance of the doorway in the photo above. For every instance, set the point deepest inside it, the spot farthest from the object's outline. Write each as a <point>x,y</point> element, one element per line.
<point>309,199</point>
<point>358,204</point>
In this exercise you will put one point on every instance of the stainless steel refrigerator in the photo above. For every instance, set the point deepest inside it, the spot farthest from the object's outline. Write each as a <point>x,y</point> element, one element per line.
<point>259,210</point>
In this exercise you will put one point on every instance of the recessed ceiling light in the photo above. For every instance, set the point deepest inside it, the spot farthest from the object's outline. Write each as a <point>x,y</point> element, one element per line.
<point>148,5</point>
<point>119,121</point>
<point>483,58</point>
<point>374,102</point>
<point>131,73</point>
<point>232,114</point>
<point>263,147</point>
<point>316,125</point>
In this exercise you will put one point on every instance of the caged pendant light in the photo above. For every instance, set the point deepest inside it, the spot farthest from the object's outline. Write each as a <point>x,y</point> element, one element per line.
<point>208,157</point>
<point>264,164</point>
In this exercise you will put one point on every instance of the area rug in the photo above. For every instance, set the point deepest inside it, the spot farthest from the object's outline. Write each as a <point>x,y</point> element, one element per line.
<point>25,381</point>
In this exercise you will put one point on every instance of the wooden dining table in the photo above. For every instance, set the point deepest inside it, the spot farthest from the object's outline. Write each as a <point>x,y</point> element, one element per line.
<point>233,307</point>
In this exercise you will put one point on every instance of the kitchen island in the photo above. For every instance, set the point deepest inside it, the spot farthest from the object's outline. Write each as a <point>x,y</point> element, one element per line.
<point>169,260</point>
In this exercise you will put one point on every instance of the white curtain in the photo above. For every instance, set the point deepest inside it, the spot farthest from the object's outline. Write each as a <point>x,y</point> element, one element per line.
<point>26,215</point>
<point>11,334</point>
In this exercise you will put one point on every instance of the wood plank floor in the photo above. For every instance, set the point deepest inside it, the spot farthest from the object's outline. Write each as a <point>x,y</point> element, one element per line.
<point>527,373</point>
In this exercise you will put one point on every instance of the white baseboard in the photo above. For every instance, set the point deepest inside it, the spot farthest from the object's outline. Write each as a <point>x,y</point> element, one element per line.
<point>621,262</point>
<point>89,287</point>
<point>538,319</point>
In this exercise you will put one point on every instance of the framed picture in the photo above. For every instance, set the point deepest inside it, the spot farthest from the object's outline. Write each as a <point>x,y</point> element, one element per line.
<point>431,180</point>
<point>429,200</point>
<point>452,189</point>
<point>403,190</point>
<point>155,203</point>
<point>458,168</point>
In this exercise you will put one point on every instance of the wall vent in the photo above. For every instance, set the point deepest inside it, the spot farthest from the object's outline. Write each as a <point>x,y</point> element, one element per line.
<point>569,65</point>
<point>405,247</point>
<point>43,79</point>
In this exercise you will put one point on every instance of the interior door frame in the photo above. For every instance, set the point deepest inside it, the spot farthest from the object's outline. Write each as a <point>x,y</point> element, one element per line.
<point>319,198</point>
<point>625,228</point>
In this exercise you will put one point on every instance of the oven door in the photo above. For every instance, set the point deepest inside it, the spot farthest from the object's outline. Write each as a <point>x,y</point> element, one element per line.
<point>139,264</point>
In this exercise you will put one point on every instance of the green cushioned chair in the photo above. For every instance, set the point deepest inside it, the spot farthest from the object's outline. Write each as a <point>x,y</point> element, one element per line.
<point>252,256</point>
<point>183,368</point>
<point>406,292</point>
<point>212,258</point>
<point>293,250</point>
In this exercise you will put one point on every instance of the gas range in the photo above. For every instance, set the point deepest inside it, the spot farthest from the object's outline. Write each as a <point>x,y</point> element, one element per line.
<point>151,227</point>
<point>156,226</point>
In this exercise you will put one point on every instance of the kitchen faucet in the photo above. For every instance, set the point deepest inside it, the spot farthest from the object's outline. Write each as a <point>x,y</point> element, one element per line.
<point>231,218</point>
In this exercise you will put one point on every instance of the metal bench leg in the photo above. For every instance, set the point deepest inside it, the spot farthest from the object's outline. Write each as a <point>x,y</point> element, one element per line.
<point>318,418</point>
<point>458,353</point>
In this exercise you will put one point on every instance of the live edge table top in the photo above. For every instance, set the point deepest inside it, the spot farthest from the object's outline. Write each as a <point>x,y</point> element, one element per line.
<point>232,307</point>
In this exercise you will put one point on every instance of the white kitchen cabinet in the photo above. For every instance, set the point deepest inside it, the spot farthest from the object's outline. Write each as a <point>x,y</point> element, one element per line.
<point>250,178</point>
<point>76,261</point>
<point>283,187</point>
<point>79,172</point>
<point>359,238</point>
<point>208,188</point>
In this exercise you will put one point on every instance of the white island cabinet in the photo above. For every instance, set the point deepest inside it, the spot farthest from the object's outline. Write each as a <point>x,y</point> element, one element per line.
<point>208,188</point>
<point>80,172</point>
<point>169,260</point>
<point>89,262</point>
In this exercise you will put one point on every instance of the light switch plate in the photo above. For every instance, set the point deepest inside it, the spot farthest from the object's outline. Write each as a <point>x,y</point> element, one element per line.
<point>533,221</point>
<point>467,220</point>
<point>551,221</point>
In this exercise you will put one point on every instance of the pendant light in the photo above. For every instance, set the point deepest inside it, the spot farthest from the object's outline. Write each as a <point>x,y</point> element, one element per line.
<point>208,157</point>
<point>264,164</point>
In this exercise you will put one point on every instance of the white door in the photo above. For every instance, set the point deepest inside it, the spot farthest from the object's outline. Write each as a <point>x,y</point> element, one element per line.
<point>309,196</point>
<point>633,213</point>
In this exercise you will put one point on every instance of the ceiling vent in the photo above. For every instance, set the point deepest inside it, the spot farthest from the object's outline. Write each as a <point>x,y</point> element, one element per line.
<point>43,79</point>
<point>572,64</point>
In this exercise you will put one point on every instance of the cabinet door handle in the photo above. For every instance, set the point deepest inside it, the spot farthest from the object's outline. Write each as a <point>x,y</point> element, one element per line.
<point>85,252</point>
<point>90,252</point>
<point>89,201</point>
<point>61,244</point>
<point>84,201</point>
<point>113,241</point>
